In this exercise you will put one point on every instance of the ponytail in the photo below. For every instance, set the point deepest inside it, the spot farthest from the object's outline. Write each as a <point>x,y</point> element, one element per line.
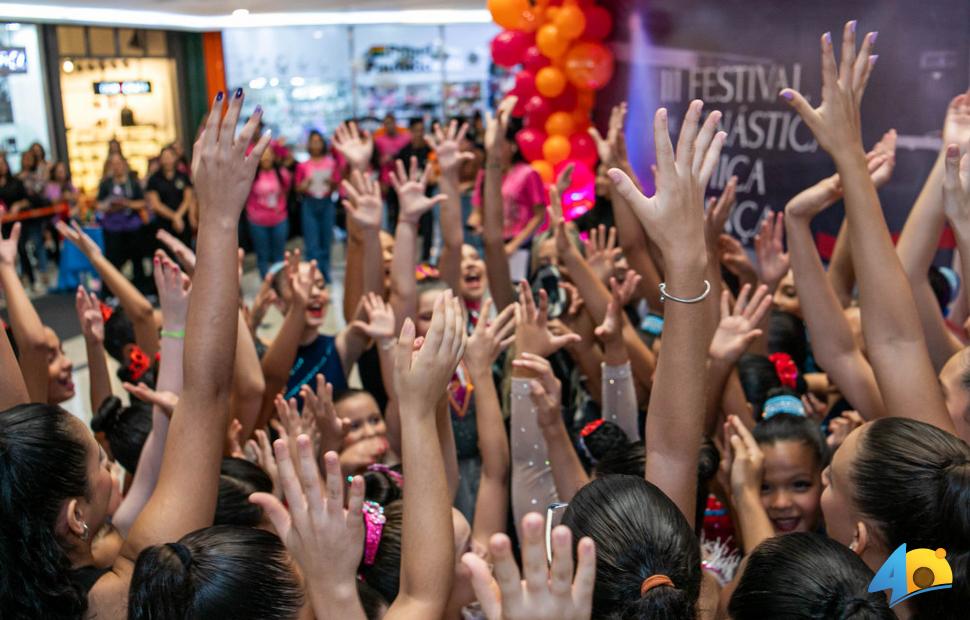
<point>165,589</point>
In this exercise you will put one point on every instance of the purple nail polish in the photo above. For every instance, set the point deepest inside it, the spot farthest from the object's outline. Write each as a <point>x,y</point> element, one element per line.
<point>219,96</point>
<point>787,95</point>
<point>258,110</point>
<point>872,38</point>
<point>852,25</point>
<point>238,93</point>
<point>828,37</point>
<point>873,59</point>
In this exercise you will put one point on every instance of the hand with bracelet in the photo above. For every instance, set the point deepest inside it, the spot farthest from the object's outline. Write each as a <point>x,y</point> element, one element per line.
<point>174,288</point>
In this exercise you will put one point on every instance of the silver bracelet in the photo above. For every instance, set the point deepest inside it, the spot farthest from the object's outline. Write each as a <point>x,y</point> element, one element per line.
<point>664,295</point>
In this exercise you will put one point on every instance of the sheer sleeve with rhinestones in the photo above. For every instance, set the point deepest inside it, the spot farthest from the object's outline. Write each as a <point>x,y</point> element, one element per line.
<point>533,486</point>
<point>620,399</point>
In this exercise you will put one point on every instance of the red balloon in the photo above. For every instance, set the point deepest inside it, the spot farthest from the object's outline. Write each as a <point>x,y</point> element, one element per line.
<point>530,143</point>
<point>565,102</point>
<point>509,46</point>
<point>589,65</point>
<point>599,24</point>
<point>525,87</point>
<point>580,196</point>
<point>537,110</point>
<point>533,60</point>
<point>583,149</point>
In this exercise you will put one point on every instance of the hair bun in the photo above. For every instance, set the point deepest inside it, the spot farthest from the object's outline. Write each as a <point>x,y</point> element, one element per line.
<point>107,415</point>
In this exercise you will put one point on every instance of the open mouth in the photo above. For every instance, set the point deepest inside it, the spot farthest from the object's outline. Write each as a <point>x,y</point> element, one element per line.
<point>66,384</point>
<point>786,525</point>
<point>315,310</point>
<point>472,280</point>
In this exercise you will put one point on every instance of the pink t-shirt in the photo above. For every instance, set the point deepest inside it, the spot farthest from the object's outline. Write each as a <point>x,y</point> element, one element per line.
<point>388,147</point>
<point>521,191</point>
<point>266,205</point>
<point>321,172</point>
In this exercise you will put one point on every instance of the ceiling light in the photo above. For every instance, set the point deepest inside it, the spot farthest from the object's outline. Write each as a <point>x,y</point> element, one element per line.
<point>274,82</point>
<point>240,13</point>
<point>257,83</point>
<point>68,66</point>
<point>297,81</point>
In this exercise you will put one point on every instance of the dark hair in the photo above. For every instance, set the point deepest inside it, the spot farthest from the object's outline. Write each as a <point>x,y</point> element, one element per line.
<point>758,376</point>
<point>316,134</point>
<point>384,575</point>
<point>370,599</point>
<point>791,427</point>
<point>515,125</point>
<point>638,532</point>
<point>381,488</point>
<point>415,121</point>
<point>118,333</point>
<point>786,334</point>
<point>913,480</point>
<point>43,463</point>
<point>216,572</point>
<point>238,480</point>
<point>942,290</point>
<point>126,428</point>
<point>349,393</point>
<point>605,438</point>
<point>806,576</point>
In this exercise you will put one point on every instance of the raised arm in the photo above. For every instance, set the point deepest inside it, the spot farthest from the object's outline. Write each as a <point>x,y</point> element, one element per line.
<point>675,219</point>
<point>173,294</point>
<point>28,331</point>
<point>619,394</point>
<point>138,309</point>
<point>92,327</point>
<point>185,496</point>
<point>890,323</point>
<point>956,194</point>
<point>496,261</point>
<point>427,539</point>
<point>833,344</point>
<point>365,209</point>
<point>410,187</point>
<point>446,145</point>
<point>12,389</point>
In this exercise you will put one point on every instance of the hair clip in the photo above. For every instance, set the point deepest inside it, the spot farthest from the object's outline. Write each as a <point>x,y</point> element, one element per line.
<point>390,473</point>
<point>374,521</point>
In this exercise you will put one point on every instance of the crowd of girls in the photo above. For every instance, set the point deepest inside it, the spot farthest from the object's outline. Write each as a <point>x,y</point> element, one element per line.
<point>650,424</point>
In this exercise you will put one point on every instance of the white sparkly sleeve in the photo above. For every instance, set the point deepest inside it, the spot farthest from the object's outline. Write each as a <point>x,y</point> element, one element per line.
<point>620,399</point>
<point>533,486</point>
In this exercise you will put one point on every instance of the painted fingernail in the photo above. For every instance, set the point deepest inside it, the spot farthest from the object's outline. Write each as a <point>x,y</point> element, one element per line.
<point>787,95</point>
<point>219,96</point>
<point>258,110</point>
<point>873,59</point>
<point>828,37</point>
<point>238,93</point>
<point>872,38</point>
<point>852,25</point>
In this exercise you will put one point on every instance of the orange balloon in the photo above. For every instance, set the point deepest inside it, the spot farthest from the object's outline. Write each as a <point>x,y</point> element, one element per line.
<point>510,14</point>
<point>589,66</point>
<point>556,149</point>
<point>570,21</point>
<point>550,42</point>
<point>550,82</point>
<point>580,121</point>
<point>544,169</point>
<point>551,13</point>
<point>559,124</point>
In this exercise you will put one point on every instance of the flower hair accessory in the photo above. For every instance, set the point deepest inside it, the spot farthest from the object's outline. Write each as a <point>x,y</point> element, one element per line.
<point>138,363</point>
<point>785,368</point>
<point>374,521</point>
<point>390,473</point>
<point>106,311</point>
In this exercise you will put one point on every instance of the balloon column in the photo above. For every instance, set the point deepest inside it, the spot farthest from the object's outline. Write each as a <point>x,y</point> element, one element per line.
<point>562,62</point>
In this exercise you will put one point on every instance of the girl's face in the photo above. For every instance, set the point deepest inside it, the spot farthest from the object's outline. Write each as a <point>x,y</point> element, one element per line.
<point>365,418</point>
<point>837,506</point>
<point>102,495</point>
<point>28,160</point>
<point>547,254</point>
<point>60,172</point>
<point>118,168</point>
<point>167,159</point>
<point>60,386</point>
<point>791,487</point>
<point>473,283</point>
<point>319,300</point>
<point>266,159</point>
<point>315,145</point>
<point>786,297</point>
<point>955,392</point>
<point>425,311</point>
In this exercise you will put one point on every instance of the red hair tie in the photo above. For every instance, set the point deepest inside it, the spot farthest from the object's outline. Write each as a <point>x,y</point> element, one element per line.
<point>591,427</point>
<point>106,311</point>
<point>786,369</point>
<point>138,363</point>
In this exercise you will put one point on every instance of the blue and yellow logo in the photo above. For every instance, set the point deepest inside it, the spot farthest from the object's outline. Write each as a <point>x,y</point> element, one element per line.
<point>912,573</point>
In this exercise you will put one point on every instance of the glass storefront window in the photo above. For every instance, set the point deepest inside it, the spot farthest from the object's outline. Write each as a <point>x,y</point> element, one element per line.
<point>23,108</point>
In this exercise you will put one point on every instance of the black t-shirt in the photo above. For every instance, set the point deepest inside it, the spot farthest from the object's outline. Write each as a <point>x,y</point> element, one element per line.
<point>12,191</point>
<point>171,192</point>
<point>422,153</point>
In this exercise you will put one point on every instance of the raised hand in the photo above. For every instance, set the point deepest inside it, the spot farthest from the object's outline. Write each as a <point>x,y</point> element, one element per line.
<point>222,172</point>
<point>882,159</point>
<point>164,400</point>
<point>8,246</point>
<point>260,451</point>
<point>673,217</point>
<point>745,459</point>
<point>489,339</point>
<point>495,128</point>
<point>89,315</point>
<point>956,127</point>
<point>956,190</point>
<point>363,203</point>
<point>291,424</point>
<point>174,289</point>
<point>565,178</point>
<point>319,406</point>
<point>840,427</point>
<point>424,374</point>
<point>608,148</point>
<point>546,592</point>
<point>732,255</point>
<point>739,328</point>
<point>532,334</point>
<point>301,281</point>
<point>447,146</point>
<point>410,188</point>
<point>602,252</point>
<point>836,122</point>
<point>769,247</point>
<point>718,211</point>
<point>76,235</point>
<point>326,540</point>
<point>623,292</point>
<point>380,318</point>
<point>265,298</point>
<point>356,146</point>
<point>182,252</point>
<point>557,223</point>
